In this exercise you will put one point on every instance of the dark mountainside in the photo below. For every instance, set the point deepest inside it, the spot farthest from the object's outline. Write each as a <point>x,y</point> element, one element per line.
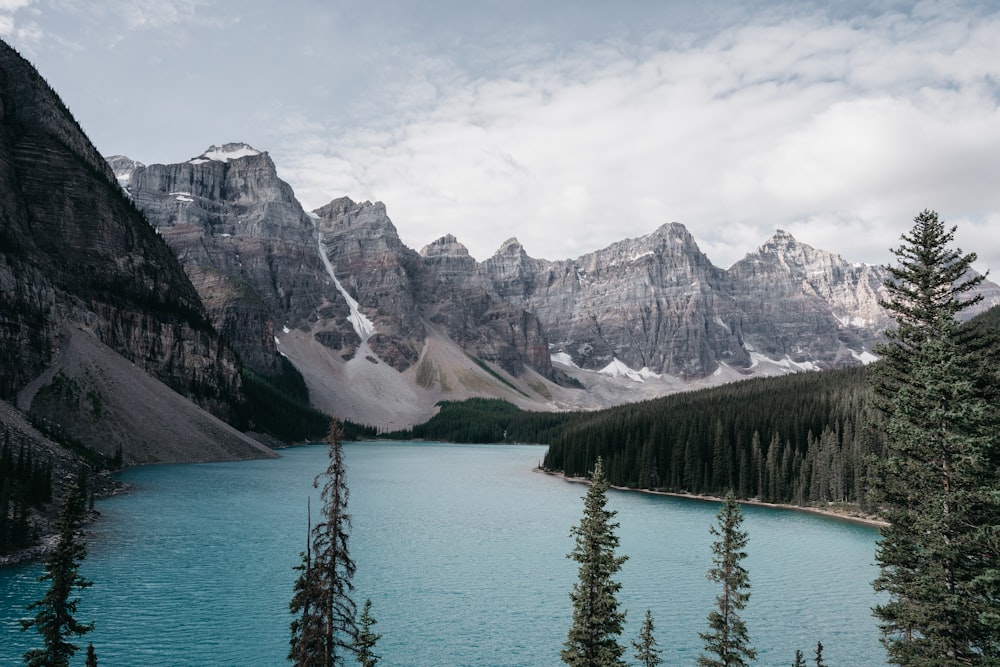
<point>105,347</point>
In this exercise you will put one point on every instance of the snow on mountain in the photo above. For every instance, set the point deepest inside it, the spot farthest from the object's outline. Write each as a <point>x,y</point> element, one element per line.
<point>363,326</point>
<point>225,153</point>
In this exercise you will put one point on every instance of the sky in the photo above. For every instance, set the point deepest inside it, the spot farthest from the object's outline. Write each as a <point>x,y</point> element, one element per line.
<point>568,124</point>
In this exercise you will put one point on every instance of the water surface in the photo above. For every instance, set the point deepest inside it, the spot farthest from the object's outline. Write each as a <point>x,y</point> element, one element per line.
<point>462,550</point>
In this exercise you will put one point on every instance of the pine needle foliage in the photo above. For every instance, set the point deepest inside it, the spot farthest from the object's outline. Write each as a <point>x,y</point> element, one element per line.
<point>647,650</point>
<point>727,643</point>
<point>364,645</point>
<point>324,629</point>
<point>937,392</point>
<point>592,640</point>
<point>55,615</point>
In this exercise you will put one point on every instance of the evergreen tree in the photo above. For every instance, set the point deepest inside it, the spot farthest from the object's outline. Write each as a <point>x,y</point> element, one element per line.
<point>324,625</point>
<point>55,616</point>
<point>592,640</point>
<point>819,655</point>
<point>91,656</point>
<point>646,648</point>
<point>937,393</point>
<point>800,660</point>
<point>364,646</point>
<point>726,642</point>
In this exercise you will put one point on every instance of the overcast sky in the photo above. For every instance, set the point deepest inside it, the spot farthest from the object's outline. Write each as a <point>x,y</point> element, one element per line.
<point>568,124</point>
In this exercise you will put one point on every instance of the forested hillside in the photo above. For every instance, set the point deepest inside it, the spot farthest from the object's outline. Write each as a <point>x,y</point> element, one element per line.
<point>794,439</point>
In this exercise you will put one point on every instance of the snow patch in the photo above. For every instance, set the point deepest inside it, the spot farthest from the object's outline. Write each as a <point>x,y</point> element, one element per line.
<point>784,365</point>
<point>858,322</point>
<point>182,198</point>
<point>362,325</point>
<point>865,357</point>
<point>225,153</point>
<point>618,369</point>
<point>648,253</point>
<point>563,358</point>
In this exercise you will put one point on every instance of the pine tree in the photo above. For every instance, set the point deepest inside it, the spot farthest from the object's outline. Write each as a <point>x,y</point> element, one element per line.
<point>646,651</point>
<point>55,616</point>
<point>819,655</point>
<point>726,642</point>
<point>324,626</point>
<point>937,393</point>
<point>592,640</point>
<point>364,645</point>
<point>91,656</point>
<point>800,660</point>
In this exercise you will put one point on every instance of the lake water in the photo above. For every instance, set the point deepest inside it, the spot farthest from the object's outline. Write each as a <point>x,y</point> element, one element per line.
<point>462,550</point>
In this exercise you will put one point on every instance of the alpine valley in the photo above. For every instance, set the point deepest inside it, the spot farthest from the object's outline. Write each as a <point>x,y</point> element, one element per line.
<point>135,298</point>
<point>381,332</point>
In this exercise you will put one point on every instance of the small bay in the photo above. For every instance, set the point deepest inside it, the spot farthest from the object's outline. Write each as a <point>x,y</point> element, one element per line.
<point>462,550</point>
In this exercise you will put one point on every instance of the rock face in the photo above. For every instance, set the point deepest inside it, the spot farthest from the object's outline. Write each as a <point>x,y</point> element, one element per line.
<point>405,291</point>
<point>76,255</point>
<point>653,303</point>
<point>656,305</point>
<point>244,241</point>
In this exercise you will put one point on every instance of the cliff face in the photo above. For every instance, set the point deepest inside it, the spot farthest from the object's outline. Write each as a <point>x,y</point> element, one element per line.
<point>76,255</point>
<point>406,291</point>
<point>653,303</point>
<point>244,241</point>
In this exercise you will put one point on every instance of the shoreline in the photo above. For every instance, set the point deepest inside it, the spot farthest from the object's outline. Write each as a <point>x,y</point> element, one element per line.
<point>842,515</point>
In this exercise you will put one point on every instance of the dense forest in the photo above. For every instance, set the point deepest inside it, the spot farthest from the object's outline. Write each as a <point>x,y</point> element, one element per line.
<point>25,483</point>
<point>802,439</point>
<point>794,439</point>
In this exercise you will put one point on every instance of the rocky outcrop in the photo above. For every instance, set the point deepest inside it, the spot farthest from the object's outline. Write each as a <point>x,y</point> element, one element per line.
<point>244,240</point>
<point>402,291</point>
<point>78,258</point>
<point>655,302</point>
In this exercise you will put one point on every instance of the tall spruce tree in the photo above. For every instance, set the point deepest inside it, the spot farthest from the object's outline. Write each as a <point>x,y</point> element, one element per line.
<point>324,628</point>
<point>592,640</point>
<point>727,643</point>
<point>937,397</point>
<point>55,618</point>
<point>364,645</point>
<point>647,650</point>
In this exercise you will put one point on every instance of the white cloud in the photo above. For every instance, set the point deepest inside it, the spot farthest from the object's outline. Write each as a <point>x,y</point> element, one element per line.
<point>838,131</point>
<point>8,10</point>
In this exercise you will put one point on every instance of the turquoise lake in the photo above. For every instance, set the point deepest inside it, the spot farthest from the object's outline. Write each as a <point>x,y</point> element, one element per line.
<point>462,549</point>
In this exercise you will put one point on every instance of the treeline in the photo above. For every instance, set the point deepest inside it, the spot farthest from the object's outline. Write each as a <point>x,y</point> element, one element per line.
<point>799,439</point>
<point>24,483</point>
<point>486,420</point>
<point>279,406</point>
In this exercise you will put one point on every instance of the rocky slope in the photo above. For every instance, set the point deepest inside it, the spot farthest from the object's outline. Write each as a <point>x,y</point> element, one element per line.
<point>77,259</point>
<point>381,331</point>
<point>335,289</point>
<point>244,241</point>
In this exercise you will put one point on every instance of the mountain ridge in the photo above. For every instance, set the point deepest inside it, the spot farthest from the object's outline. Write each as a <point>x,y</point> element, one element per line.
<point>639,318</point>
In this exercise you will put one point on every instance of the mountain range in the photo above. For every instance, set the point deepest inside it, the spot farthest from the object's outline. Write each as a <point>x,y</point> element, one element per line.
<point>382,332</point>
<point>136,297</point>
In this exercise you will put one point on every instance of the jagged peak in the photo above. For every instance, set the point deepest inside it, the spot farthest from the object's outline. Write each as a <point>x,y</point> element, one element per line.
<point>510,247</point>
<point>446,246</point>
<point>123,167</point>
<point>225,153</point>
<point>342,205</point>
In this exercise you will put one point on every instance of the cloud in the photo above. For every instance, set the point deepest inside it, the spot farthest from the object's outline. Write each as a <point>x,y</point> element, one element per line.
<point>839,131</point>
<point>8,10</point>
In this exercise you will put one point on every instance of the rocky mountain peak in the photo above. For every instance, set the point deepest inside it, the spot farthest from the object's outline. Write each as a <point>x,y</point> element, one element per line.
<point>123,167</point>
<point>511,247</point>
<point>446,246</point>
<point>225,153</point>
